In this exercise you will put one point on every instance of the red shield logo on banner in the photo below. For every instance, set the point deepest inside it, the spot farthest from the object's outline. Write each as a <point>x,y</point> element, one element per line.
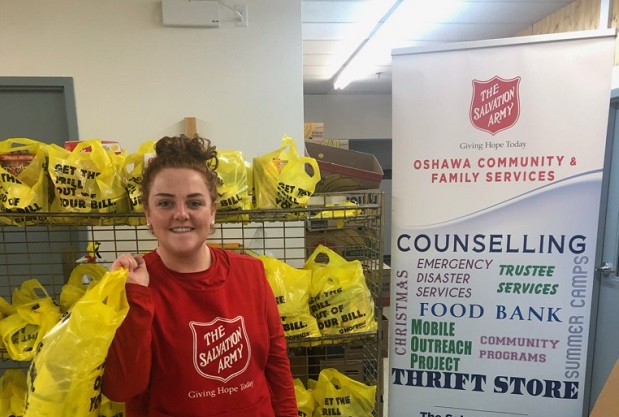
<point>495,104</point>
<point>221,348</point>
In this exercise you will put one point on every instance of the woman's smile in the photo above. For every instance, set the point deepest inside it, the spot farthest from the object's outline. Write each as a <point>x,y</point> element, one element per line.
<point>181,229</point>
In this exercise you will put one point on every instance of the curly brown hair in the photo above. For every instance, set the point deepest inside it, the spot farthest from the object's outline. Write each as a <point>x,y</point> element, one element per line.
<point>195,153</point>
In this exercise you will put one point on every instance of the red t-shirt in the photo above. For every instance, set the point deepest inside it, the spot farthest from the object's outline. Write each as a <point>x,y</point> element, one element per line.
<point>202,344</point>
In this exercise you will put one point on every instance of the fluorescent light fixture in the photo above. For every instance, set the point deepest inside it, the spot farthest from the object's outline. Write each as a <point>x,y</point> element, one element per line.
<point>365,22</point>
<point>405,20</point>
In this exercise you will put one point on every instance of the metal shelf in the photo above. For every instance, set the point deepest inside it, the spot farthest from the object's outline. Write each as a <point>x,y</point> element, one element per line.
<point>47,246</point>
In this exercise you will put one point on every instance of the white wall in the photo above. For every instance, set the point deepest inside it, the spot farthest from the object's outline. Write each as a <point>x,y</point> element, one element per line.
<point>136,80</point>
<point>351,116</point>
<point>615,79</point>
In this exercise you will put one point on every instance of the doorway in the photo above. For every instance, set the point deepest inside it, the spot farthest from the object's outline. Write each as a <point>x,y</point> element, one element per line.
<point>42,109</point>
<point>605,338</point>
<point>39,108</point>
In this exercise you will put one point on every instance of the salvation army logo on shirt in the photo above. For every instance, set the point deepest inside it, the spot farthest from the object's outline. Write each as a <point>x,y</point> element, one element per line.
<point>495,105</point>
<point>221,348</point>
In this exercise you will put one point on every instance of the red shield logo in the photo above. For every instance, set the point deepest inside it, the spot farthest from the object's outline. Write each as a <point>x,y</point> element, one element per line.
<point>221,348</point>
<point>495,104</point>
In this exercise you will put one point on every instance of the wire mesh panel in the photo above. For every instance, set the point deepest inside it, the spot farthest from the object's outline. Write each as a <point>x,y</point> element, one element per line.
<point>49,247</point>
<point>39,252</point>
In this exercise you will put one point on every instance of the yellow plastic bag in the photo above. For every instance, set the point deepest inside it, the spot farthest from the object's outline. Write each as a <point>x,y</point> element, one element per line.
<point>338,395</point>
<point>305,399</point>
<point>281,178</point>
<point>134,167</point>
<point>6,309</point>
<point>291,289</point>
<point>24,184</point>
<point>234,189</point>
<point>82,276</point>
<point>65,375</point>
<point>12,393</point>
<point>249,168</point>
<point>88,179</point>
<point>345,210</point>
<point>35,314</point>
<point>339,296</point>
<point>111,408</point>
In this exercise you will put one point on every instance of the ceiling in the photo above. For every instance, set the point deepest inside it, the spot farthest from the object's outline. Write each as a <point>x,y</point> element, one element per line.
<point>327,23</point>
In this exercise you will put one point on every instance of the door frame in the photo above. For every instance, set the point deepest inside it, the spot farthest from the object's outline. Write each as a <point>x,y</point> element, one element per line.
<point>61,84</point>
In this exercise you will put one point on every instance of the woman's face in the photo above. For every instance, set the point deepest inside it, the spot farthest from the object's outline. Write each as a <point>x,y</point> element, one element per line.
<point>180,211</point>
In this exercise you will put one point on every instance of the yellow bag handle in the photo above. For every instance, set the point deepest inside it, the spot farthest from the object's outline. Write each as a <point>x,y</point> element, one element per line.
<point>288,151</point>
<point>30,290</point>
<point>97,152</point>
<point>8,145</point>
<point>333,258</point>
<point>303,160</point>
<point>94,271</point>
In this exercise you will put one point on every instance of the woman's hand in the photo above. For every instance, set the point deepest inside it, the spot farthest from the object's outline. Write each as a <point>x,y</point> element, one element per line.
<point>136,268</point>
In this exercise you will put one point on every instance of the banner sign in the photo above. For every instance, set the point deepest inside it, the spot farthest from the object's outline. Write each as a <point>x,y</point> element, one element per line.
<point>498,153</point>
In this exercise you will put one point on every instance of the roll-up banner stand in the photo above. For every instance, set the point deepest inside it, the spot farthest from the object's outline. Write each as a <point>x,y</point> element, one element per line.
<point>498,153</point>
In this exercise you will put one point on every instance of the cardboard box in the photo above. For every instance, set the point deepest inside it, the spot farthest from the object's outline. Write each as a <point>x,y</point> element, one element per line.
<point>15,162</point>
<point>108,145</point>
<point>343,169</point>
<point>313,130</point>
<point>336,143</point>
<point>607,404</point>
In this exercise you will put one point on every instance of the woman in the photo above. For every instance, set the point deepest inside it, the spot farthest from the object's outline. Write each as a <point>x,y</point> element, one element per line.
<point>203,336</point>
